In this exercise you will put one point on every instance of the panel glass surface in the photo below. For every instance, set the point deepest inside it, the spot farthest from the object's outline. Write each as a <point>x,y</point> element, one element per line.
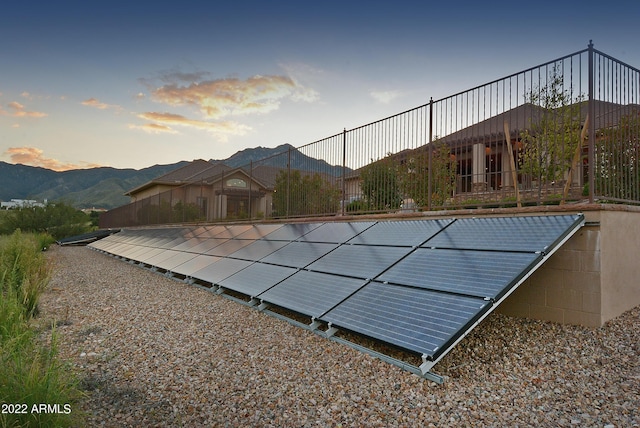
<point>291,231</point>
<point>258,249</point>
<point>231,246</point>
<point>418,320</point>
<point>363,261</point>
<point>175,260</point>
<point>257,278</point>
<point>311,293</point>
<point>207,245</point>
<point>259,231</point>
<point>476,273</point>
<point>336,232</point>
<point>407,233</point>
<point>233,231</point>
<point>220,270</point>
<point>535,233</point>
<point>195,264</point>
<point>298,254</point>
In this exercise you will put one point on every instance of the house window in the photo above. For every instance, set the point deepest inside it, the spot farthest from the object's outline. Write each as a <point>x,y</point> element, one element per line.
<point>236,182</point>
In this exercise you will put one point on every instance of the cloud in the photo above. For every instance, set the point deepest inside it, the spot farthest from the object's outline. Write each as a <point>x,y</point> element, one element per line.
<point>384,97</point>
<point>93,102</point>
<point>219,98</point>
<point>35,157</point>
<point>163,122</point>
<point>18,110</point>
<point>154,128</point>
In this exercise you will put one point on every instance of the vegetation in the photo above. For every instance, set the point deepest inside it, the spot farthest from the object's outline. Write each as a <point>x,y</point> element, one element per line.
<point>380,183</point>
<point>551,142</point>
<point>298,195</point>
<point>617,168</point>
<point>415,177</point>
<point>30,372</point>
<point>58,220</point>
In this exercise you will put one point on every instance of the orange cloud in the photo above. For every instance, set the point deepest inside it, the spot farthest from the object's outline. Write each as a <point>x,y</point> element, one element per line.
<point>232,96</point>
<point>221,129</point>
<point>93,102</point>
<point>154,128</point>
<point>18,110</point>
<point>33,156</point>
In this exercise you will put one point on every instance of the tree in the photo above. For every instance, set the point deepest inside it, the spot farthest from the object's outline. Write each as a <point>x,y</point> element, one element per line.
<point>60,220</point>
<point>550,143</point>
<point>298,195</point>
<point>617,160</point>
<point>415,177</point>
<point>380,185</point>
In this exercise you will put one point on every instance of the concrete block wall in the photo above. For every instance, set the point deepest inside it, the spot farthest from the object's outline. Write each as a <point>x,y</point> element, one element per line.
<point>592,278</point>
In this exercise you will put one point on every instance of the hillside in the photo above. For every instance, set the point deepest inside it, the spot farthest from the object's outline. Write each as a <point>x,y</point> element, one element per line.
<point>84,188</point>
<point>105,187</point>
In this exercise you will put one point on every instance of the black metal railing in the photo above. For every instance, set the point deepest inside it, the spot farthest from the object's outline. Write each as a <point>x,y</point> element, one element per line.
<point>566,130</point>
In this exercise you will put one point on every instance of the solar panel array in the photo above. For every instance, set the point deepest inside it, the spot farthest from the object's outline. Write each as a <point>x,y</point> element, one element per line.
<point>419,285</point>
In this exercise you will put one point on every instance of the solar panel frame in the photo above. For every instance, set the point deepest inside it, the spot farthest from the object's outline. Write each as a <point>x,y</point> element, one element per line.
<point>256,278</point>
<point>405,233</point>
<point>363,261</point>
<point>198,262</point>
<point>336,233</point>
<point>417,320</point>
<point>299,254</point>
<point>471,272</point>
<point>527,233</point>
<point>223,268</point>
<point>311,293</point>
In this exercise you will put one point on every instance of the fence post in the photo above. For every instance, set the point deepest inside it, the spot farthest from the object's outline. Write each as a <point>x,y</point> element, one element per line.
<point>344,168</point>
<point>250,183</point>
<point>429,167</point>
<point>288,179</point>
<point>592,128</point>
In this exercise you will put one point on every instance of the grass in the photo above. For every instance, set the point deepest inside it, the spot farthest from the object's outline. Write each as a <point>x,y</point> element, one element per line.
<point>36,389</point>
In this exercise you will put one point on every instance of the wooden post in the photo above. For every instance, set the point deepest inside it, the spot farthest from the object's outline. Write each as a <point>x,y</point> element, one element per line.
<point>512,161</point>
<point>576,159</point>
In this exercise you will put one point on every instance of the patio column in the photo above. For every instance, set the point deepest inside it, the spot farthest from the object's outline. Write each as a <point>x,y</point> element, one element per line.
<point>479,177</point>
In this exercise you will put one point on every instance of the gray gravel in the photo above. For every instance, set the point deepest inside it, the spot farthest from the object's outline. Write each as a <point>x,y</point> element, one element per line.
<point>152,351</point>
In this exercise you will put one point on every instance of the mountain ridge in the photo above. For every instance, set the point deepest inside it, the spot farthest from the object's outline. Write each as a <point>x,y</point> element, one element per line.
<point>104,187</point>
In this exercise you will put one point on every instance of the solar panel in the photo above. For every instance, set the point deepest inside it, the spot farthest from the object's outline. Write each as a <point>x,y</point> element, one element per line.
<point>259,231</point>
<point>407,233</point>
<point>417,320</point>
<point>229,247</point>
<point>535,233</point>
<point>298,254</point>
<point>258,249</point>
<point>223,268</point>
<point>362,261</point>
<point>476,273</point>
<point>195,264</point>
<point>291,231</point>
<point>335,232</point>
<point>256,278</point>
<point>311,293</point>
<point>416,284</point>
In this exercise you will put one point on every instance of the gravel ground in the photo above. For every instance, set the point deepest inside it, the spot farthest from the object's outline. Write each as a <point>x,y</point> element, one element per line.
<point>152,351</point>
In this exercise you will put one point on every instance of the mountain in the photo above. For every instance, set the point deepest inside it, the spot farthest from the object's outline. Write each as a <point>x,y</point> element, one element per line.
<point>84,188</point>
<point>278,157</point>
<point>105,187</point>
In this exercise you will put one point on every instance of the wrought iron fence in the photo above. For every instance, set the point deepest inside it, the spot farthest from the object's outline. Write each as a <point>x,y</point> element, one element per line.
<point>566,130</point>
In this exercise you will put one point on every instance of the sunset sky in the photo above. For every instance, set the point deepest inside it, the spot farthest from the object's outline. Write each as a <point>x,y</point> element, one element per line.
<point>133,84</point>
